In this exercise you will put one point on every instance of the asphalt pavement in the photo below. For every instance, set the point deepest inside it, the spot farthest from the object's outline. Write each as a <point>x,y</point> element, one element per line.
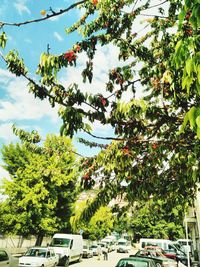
<point>113,258</point>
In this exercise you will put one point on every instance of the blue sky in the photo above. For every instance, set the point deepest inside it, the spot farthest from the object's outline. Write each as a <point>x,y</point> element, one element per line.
<point>16,104</point>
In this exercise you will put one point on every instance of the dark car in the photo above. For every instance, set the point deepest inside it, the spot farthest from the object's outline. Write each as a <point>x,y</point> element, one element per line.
<point>177,255</point>
<point>160,259</point>
<point>6,259</point>
<point>136,262</point>
<point>172,253</point>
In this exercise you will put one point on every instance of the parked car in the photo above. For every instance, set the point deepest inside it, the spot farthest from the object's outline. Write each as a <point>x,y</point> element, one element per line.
<point>6,258</point>
<point>170,253</point>
<point>87,251</point>
<point>135,262</point>
<point>160,259</point>
<point>94,249</point>
<point>123,245</point>
<point>39,256</point>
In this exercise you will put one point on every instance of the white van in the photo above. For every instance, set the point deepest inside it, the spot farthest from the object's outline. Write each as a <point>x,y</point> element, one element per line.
<point>69,247</point>
<point>123,245</point>
<point>162,243</point>
<point>109,244</point>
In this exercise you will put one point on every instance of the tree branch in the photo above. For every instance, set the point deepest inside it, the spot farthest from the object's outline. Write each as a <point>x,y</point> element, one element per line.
<point>54,14</point>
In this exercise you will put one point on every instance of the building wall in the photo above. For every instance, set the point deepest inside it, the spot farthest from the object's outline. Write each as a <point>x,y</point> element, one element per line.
<point>192,221</point>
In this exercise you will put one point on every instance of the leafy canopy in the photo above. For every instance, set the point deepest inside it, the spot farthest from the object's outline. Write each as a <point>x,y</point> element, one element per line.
<point>155,150</point>
<point>41,189</point>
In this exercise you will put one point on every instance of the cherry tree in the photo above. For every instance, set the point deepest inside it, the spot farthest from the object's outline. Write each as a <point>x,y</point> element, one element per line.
<point>154,151</point>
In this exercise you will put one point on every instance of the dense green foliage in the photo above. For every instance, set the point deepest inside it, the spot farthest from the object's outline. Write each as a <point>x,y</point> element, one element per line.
<point>155,149</point>
<point>157,220</point>
<point>41,189</point>
<point>99,225</point>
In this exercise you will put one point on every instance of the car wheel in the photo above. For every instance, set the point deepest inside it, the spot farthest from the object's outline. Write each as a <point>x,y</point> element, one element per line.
<point>158,265</point>
<point>66,262</point>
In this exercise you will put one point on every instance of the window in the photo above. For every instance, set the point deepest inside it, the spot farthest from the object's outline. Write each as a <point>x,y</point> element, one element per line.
<point>3,256</point>
<point>60,242</point>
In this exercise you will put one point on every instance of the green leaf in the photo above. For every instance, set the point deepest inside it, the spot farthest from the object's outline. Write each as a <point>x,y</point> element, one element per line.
<point>181,17</point>
<point>185,121</point>
<point>198,121</point>
<point>198,132</point>
<point>3,40</point>
<point>191,116</point>
<point>189,66</point>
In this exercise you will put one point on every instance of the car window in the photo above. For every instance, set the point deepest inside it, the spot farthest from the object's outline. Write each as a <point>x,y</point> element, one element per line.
<point>3,256</point>
<point>171,248</point>
<point>36,253</point>
<point>131,263</point>
<point>60,242</point>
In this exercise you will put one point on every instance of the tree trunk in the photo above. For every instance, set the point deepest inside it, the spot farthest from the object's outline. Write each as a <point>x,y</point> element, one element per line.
<point>39,240</point>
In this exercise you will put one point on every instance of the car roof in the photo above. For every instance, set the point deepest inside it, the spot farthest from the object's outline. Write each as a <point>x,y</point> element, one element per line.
<point>136,258</point>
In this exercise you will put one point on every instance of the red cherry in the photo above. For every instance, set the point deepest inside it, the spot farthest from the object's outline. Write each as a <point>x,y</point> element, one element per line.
<point>86,176</point>
<point>103,101</point>
<point>70,55</point>
<point>154,146</point>
<point>94,2</point>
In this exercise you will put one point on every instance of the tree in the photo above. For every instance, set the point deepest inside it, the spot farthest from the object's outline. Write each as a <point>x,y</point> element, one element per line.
<point>42,188</point>
<point>155,149</point>
<point>157,220</point>
<point>99,225</point>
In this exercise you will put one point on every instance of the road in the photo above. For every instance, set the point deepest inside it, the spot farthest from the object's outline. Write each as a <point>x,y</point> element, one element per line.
<point>113,258</point>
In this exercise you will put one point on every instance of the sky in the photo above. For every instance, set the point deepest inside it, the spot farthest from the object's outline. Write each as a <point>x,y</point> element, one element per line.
<point>17,105</point>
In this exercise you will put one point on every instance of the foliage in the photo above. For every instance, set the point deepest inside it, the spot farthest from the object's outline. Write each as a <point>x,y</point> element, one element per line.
<point>157,220</point>
<point>99,225</point>
<point>42,188</point>
<point>155,149</point>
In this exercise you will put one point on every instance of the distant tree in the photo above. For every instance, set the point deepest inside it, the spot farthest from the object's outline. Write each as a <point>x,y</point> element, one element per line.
<point>122,222</point>
<point>41,189</point>
<point>100,224</point>
<point>157,220</point>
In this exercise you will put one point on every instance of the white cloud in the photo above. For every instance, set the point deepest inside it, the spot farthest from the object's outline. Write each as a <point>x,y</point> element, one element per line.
<point>3,173</point>
<point>58,36</point>
<point>19,104</point>
<point>6,132</point>
<point>5,76</point>
<point>105,58</point>
<point>22,8</point>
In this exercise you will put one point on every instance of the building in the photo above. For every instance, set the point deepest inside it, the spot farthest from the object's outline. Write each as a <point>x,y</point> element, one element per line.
<point>192,225</point>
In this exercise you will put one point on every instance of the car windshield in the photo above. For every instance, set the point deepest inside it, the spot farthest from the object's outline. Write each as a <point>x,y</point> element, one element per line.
<point>122,243</point>
<point>34,252</point>
<point>60,242</point>
<point>131,263</point>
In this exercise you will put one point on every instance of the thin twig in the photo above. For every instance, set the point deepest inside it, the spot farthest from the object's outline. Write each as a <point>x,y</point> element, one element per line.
<point>54,14</point>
